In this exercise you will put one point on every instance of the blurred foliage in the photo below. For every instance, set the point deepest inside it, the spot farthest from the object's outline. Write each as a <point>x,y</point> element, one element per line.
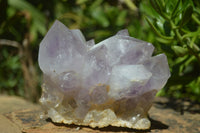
<point>172,26</point>
<point>177,25</point>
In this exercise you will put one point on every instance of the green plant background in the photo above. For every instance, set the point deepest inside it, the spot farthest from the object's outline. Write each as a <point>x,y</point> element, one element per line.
<point>172,26</point>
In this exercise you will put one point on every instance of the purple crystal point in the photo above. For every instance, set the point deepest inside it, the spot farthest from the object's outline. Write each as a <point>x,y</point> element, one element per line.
<point>64,47</point>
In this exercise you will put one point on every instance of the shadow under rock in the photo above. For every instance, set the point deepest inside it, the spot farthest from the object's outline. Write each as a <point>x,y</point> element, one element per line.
<point>155,125</point>
<point>180,105</point>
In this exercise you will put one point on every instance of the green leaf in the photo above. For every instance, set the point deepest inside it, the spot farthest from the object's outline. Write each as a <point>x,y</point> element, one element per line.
<point>95,4</point>
<point>121,19</point>
<point>179,8</point>
<point>167,28</point>
<point>186,15</point>
<point>175,8</point>
<point>165,41</point>
<point>11,83</point>
<point>100,35</point>
<point>81,1</point>
<point>196,48</point>
<point>156,6</point>
<point>159,6</point>
<point>156,31</point>
<point>131,5</point>
<point>38,19</point>
<point>100,16</point>
<point>180,51</point>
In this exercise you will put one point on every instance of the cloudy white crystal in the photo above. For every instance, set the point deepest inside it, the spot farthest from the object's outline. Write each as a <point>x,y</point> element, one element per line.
<point>131,77</point>
<point>110,83</point>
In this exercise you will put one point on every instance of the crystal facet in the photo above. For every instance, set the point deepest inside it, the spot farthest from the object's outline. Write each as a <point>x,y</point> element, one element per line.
<point>110,83</point>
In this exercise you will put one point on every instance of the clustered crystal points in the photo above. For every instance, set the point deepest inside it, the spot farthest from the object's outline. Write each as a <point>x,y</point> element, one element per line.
<point>110,83</point>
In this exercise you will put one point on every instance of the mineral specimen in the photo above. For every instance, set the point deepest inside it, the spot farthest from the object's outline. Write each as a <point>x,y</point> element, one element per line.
<point>110,83</point>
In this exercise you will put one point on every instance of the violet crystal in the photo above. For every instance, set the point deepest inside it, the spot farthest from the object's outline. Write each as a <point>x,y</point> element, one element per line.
<point>110,83</point>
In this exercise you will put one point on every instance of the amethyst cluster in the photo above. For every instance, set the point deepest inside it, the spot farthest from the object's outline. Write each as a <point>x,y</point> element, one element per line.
<point>109,83</point>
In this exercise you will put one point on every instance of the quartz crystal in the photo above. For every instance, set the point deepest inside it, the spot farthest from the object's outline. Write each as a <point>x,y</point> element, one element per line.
<point>109,83</point>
